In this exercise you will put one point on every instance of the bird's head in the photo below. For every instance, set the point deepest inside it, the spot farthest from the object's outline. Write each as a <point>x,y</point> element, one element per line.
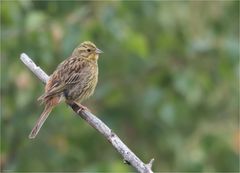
<point>87,50</point>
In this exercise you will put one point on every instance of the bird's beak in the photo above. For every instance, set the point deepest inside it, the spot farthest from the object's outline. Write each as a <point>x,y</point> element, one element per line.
<point>98,51</point>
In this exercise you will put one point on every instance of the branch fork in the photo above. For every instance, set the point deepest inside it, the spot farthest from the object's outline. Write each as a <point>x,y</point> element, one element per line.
<point>128,156</point>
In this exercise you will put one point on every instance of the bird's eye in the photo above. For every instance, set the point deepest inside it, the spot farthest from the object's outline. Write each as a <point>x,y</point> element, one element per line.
<point>89,50</point>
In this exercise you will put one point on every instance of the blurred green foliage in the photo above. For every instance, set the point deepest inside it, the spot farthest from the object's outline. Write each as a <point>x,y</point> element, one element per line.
<point>168,84</point>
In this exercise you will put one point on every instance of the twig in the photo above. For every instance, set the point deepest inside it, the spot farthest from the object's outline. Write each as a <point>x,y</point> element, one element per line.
<point>128,156</point>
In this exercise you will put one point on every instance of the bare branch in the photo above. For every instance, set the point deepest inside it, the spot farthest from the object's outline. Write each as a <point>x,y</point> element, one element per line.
<point>128,156</point>
<point>35,69</point>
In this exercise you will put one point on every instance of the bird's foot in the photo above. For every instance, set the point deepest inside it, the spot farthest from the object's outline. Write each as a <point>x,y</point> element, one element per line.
<point>81,107</point>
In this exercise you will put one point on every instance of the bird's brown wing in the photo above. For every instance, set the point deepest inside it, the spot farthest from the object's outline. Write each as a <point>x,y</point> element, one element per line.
<point>77,72</point>
<point>66,74</point>
<point>55,90</point>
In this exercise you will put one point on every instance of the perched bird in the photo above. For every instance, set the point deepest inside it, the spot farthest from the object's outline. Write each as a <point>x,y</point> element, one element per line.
<point>73,81</point>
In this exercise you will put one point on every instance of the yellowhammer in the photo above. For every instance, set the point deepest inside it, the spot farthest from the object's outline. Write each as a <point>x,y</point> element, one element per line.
<point>73,81</point>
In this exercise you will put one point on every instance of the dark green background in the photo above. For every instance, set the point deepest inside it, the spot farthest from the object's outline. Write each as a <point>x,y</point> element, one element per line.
<point>167,84</point>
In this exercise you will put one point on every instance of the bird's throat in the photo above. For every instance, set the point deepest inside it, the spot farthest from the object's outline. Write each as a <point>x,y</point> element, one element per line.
<point>93,57</point>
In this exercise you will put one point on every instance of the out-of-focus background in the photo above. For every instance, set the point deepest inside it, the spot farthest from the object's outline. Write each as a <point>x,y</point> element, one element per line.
<point>168,85</point>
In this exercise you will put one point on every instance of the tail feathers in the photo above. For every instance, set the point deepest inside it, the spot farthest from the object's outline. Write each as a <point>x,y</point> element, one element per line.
<point>40,121</point>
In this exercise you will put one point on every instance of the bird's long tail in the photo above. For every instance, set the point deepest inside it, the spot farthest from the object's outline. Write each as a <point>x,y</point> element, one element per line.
<point>47,110</point>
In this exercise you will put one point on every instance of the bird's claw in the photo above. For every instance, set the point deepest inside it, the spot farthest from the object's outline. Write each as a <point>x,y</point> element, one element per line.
<point>81,108</point>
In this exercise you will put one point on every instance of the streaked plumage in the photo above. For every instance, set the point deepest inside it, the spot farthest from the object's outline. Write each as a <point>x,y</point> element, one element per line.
<point>74,80</point>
